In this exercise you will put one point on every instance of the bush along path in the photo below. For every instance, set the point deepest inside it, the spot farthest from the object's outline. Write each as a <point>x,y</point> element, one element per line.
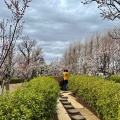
<point>36,100</point>
<point>101,95</point>
<point>73,109</point>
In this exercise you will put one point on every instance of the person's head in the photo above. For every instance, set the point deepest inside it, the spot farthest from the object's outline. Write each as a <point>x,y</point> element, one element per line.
<point>66,70</point>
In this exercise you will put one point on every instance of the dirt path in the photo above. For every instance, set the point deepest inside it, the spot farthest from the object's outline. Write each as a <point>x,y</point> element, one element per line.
<point>62,113</point>
<point>12,87</point>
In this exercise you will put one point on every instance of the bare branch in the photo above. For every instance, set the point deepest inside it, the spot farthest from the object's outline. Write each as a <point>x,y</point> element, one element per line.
<point>109,9</point>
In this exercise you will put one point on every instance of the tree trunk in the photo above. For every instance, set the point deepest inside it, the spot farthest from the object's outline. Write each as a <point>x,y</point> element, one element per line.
<point>7,84</point>
<point>3,83</point>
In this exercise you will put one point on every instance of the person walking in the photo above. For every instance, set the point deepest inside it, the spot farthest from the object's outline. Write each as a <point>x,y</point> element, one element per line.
<point>65,76</point>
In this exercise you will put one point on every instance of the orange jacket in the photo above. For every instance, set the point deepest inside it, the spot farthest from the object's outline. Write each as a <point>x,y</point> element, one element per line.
<point>65,74</point>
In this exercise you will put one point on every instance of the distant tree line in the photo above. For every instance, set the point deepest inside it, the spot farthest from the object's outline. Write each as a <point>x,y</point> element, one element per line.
<point>99,53</point>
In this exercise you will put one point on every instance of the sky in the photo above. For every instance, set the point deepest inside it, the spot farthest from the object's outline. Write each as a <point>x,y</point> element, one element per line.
<point>57,23</point>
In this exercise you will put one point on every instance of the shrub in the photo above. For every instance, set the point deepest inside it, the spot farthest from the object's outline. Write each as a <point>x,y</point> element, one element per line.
<point>103,96</point>
<point>60,81</point>
<point>13,80</point>
<point>115,78</point>
<point>16,80</point>
<point>36,100</point>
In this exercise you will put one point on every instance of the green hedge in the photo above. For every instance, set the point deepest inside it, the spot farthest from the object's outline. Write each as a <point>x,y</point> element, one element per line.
<point>35,101</point>
<point>13,80</point>
<point>115,78</point>
<point>16,80</point>
<point>103,96</point>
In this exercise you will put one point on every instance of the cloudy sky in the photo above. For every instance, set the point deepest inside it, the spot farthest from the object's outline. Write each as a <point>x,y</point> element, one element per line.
<point>57,23</point>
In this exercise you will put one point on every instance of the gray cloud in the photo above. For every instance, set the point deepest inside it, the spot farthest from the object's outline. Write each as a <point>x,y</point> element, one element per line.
<point>57,23</point>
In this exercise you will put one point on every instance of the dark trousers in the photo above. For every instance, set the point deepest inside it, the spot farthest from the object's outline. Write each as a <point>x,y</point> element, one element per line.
<point>65,84</point>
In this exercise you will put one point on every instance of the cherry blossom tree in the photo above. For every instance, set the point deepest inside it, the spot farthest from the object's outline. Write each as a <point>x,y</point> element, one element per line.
<point>10,30</point>
<point>115,33</point>
<point>30,58</point>
<point>110,9</point>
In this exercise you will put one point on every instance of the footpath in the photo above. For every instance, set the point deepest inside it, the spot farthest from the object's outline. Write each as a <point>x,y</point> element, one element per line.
<point>69,109</point>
